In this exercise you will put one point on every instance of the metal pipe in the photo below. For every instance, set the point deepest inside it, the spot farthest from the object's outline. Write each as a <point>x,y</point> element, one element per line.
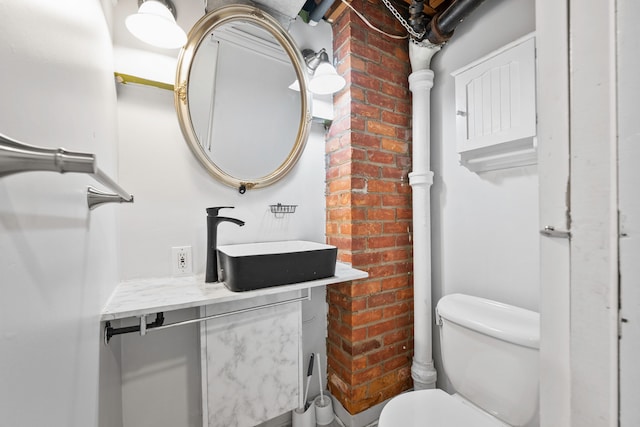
<point>417,16</point>
<point>318,12</point>
<point>109,331</point>
<point>423,370</point>
<point>442,25</point>
<point>421,80</point>
<point>456,13</point>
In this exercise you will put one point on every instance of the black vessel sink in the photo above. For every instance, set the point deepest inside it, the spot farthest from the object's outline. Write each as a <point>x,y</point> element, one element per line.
<point>250,266</point>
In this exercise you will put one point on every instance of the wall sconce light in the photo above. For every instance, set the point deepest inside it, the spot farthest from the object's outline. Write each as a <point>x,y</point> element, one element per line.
<point>155,24</point>
<point>325,79</point>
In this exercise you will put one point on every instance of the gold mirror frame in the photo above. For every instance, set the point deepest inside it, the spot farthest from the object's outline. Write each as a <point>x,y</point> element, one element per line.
<point>197,35</point>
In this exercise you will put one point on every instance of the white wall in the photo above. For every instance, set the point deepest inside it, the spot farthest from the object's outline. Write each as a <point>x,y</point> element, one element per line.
<point>161,372</point>
<point>57,259</point>
<point>172,191</point>
<point>484,226</point>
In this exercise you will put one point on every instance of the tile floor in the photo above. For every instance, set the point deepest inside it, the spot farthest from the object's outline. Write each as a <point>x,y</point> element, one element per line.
<point>334,423</point>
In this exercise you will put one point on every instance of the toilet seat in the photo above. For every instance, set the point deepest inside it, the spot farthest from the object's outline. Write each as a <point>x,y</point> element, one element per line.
<point>433,408</point>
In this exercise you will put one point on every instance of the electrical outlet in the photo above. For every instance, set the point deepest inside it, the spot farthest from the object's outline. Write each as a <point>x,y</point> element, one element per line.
<point>181,261</point>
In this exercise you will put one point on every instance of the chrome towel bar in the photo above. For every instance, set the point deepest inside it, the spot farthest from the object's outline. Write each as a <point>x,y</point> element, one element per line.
<point>143,327</point>
<point>16,157</point>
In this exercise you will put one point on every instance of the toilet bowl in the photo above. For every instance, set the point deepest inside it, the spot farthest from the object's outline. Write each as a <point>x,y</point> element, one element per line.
<point>427,408</point>
<point>490,355</point>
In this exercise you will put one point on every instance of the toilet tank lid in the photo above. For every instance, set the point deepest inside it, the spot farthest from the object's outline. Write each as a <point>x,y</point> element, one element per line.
<point>506,322</point>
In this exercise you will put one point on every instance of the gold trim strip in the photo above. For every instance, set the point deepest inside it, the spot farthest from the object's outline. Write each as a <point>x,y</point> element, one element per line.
<point>127,78</point>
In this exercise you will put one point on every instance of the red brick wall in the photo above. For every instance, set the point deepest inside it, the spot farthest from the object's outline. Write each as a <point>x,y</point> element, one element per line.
<point>370,322</point>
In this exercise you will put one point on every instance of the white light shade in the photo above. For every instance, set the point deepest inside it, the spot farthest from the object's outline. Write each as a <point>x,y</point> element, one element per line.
<point>154,24</point>
<point>295,86</point>
<point>326,80</point>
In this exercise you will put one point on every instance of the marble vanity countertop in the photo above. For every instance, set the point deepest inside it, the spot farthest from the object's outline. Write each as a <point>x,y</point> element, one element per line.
<point>139,297</point>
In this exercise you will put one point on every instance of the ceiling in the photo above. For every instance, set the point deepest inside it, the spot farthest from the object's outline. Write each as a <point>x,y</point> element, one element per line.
<point>431,7</point>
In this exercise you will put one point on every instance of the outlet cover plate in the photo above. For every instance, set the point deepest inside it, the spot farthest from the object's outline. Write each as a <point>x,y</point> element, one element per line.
<point>181,264</point>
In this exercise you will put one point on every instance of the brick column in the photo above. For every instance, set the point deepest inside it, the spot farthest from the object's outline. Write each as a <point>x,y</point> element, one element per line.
<point>369,212</point>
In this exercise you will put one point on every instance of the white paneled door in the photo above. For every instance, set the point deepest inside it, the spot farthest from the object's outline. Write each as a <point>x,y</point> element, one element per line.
<point>628,46</point>
<point>594,216</point>
<point>577,136</point>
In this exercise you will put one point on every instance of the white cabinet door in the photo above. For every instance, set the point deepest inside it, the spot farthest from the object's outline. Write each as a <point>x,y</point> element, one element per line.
<point>495,108</point>
<point>250,362</point>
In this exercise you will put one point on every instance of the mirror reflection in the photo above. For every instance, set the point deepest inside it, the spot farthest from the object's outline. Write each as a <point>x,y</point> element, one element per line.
<point>239,115</point>
<point>240,103</point>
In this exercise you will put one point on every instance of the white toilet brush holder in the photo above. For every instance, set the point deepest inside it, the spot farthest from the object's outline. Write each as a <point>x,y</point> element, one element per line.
<point>322,403</point>
<point>324,410</point>
<point>302,418</point>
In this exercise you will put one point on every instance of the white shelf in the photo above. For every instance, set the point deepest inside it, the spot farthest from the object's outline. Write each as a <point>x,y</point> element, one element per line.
<point>139,297</point>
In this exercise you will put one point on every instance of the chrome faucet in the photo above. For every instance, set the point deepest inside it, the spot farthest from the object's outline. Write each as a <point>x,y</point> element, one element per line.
<point>211,273</point>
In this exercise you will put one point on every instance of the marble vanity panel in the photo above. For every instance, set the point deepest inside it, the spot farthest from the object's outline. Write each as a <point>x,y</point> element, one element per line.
<point>136,297</point>
<point>250,362</point>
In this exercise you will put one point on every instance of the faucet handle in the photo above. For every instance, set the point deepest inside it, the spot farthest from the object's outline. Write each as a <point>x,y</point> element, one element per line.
<point>214,210</point>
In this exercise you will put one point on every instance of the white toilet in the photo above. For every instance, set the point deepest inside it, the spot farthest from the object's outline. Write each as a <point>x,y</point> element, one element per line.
<point>490,355</point>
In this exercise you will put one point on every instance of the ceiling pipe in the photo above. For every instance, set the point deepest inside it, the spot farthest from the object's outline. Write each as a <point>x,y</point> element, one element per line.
<point>416,16</point>
<point>441,27</point>
<point>318,12</point>
<point>439,30</point>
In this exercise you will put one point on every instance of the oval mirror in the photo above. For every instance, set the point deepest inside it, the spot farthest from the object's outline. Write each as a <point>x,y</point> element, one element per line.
<point>236,108</point>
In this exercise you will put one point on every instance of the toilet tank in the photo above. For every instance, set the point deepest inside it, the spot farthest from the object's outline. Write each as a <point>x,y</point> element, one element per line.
<point>490,355</point>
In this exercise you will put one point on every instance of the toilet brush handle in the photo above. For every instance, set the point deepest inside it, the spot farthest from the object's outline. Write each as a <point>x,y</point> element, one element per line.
<point>309,375</point>
<point>320,381</point>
